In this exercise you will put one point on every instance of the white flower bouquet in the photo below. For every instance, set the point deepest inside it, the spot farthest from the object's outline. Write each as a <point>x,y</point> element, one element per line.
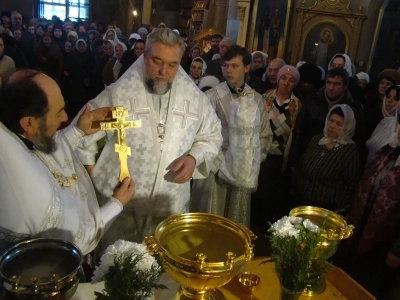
<point>297,252</point>
<point>129,272</point>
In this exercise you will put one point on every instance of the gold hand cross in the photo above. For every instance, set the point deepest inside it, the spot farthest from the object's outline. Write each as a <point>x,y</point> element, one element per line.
<point>119,113</point>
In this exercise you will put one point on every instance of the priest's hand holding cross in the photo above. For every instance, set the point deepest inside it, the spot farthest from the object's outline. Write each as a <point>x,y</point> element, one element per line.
<point>89,120</point>
<point>120,125</point>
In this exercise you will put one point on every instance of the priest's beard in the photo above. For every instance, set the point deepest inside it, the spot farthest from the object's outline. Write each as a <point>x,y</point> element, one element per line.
<point>43,142</point>
<point>157,88</point>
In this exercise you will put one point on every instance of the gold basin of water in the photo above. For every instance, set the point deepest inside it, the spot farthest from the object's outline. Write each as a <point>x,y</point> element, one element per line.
<point>201,252</point>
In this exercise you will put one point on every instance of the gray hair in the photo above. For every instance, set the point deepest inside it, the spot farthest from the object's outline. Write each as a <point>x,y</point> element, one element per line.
<point>165,36</point>
<point>226,39</point>
<point>278,60</point>
<point>15,12</point>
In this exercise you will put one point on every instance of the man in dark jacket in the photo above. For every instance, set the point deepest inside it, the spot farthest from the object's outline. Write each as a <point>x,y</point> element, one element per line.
<point>311,119</point>
<point>214,66</point>
<point>215,40</point>
<point>27,40</point>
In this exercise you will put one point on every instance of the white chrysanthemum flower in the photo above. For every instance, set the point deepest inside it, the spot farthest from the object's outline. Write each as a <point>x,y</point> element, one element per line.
<point>295,220</point>
<point>123,249</point>
<point>310,226</point>
<point>284,227</point>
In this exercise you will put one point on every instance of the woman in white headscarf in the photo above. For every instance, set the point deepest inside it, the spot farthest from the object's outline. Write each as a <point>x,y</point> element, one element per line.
<point>383,132</point>
<point>111,35</point>
<point>329,169</point>
<point>197,69</point>
<point>113,66</point>
<point>119,50</point>
<point>341,60</point>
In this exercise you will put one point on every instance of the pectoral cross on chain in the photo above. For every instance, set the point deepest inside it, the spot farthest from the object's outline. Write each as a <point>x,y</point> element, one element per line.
<point>119,114</point>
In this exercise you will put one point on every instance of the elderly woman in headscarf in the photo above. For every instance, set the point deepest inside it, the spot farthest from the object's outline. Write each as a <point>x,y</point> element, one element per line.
<point>143,33</point>
<point>382,133</point>
<point>376,217</point>
<point>329,169</point>
<point>269,202</point>
<point>81,77</point>
<point>113,66</point>
<point>49,57</point>
<point>363,79</point>
<point>111,35</point>
<point>197,69</point>
<point>59,36</point>
<point>72,36</point>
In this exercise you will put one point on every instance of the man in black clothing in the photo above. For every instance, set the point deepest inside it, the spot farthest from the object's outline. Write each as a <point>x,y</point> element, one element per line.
<point>214,66</point>
<point>311,119</point>
<point>215,40</point>
<point>271,75</point>
<point>27,40</point>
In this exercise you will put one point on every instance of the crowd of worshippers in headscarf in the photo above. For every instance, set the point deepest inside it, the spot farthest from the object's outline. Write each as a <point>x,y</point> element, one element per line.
<point>329,125</point>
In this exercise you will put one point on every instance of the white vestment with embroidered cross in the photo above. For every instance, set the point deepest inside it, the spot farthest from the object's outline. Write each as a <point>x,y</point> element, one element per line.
<point>192,127</point>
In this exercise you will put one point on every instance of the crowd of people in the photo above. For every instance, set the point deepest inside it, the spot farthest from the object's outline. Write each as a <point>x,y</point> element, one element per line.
<point>263,138</point>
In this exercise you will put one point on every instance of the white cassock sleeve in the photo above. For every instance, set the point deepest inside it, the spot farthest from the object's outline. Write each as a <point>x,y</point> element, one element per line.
<point>207,142</point>
<point>110,211</point>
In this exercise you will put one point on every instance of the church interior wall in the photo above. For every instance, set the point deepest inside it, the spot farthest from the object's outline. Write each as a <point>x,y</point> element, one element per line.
<point>25,7</point>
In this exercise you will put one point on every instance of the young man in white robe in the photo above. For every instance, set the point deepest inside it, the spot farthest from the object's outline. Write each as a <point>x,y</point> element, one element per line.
<point>179,138</point>
<point>45,190</point>
<point>246,136</point>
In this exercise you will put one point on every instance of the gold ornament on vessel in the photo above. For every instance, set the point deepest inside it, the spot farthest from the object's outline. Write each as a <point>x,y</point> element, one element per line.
<point>202,252</point>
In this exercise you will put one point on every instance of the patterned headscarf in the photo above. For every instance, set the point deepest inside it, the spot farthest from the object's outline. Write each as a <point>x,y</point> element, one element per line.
<point>349,126</point>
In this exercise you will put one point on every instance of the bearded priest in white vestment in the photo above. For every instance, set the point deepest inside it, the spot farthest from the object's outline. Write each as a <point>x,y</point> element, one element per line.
<point>45,190</point>
<point>246,139</point>
<point>180,136</point>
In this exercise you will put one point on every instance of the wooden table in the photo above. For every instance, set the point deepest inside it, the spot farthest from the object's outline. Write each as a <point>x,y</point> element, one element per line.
<point>340,286</point>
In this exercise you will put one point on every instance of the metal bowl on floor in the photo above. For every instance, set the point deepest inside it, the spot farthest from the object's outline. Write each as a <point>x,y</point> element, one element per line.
<point>41,269</point>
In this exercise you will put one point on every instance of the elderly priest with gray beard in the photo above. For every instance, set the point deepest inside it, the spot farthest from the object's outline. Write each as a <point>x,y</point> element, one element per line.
<point>179,138</point>
<point>45,190</point>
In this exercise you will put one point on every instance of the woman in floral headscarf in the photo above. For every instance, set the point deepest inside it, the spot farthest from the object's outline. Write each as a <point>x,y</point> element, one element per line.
<point>329,169</point>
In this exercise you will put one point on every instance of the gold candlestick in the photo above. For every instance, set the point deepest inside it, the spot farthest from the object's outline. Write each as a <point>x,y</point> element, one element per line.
<point>119,114</point>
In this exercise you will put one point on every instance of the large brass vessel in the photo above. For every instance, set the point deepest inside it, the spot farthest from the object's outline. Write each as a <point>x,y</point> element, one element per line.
<point>335,229</point>
<point>41,269</point>
<point>201,252</point>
